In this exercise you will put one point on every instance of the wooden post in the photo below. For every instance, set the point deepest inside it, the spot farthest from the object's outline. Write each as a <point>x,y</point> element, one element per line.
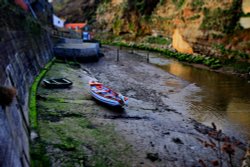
<point>117,56</point>
<point>147,57</point>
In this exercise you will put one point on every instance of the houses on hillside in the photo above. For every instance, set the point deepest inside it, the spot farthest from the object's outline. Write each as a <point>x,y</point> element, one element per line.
<point>58,22</point>
<point>78,27</point>
<point>81,28</point>
<point>43,11</point>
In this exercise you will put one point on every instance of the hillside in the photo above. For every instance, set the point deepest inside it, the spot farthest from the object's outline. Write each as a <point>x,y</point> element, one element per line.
<point>210,27</point>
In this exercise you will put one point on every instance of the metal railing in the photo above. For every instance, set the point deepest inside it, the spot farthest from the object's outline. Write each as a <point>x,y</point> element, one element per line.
<point>65,33</point>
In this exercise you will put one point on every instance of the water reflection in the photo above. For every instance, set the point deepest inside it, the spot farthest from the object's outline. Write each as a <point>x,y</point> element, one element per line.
<point>223,99</point>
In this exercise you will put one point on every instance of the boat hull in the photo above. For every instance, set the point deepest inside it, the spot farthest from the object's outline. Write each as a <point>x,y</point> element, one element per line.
<point>105,100</point>
<point>106,95</point>
<point>57,83</point>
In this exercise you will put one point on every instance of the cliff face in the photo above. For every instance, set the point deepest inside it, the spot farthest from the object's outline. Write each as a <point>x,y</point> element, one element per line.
<point>24,49</point>
<point>76,11</point>
<point>202,23</point>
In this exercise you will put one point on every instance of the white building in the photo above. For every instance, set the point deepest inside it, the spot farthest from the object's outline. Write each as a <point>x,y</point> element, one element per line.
<point>57,22</point>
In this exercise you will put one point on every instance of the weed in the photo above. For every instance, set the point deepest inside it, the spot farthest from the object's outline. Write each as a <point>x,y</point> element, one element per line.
<point>178,3</point>
<point>194,17</point>
<point>158,40</point>
<point>197,4</point>
<point>231,53</point>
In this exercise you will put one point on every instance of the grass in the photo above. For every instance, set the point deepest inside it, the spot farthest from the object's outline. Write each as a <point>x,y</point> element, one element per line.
<point>209,21</point>
<point>158,40</point>
<point>197,16</point>
<point>197,4</point>
<point>231,53</point>
<point>228,21</point>
<point>178,3</point>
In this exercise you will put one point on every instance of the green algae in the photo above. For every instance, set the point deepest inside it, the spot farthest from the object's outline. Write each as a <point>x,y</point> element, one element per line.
<point>70,133</point>
<point>37,151</point>
<point>75,134</point>
<point>32,96</point>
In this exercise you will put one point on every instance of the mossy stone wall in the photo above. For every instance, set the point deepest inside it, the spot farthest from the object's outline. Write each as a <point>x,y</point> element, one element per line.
<point>23,53</point>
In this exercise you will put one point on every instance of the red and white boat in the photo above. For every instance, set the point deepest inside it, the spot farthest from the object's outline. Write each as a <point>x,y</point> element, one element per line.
<point>107,95</point>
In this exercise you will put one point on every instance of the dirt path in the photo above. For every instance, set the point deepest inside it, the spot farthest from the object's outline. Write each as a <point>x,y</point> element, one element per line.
<point>148,132</point>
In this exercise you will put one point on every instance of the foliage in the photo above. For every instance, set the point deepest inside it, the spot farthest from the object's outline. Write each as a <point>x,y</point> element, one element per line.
<point>161,2</point>
<point>144,7</point>
<point>102,8</point>
<point>117,26</point>
<point>197,16</point>
<point>178,3</point>
<point>223,20</point>
<point>241,67</point>
<point>158,40</point>
<point>58,5</point>
<point>197,4</point>
<point>131,26</point>
<point>234,13</point>
<point>231,53</point>
<point>211,20</point>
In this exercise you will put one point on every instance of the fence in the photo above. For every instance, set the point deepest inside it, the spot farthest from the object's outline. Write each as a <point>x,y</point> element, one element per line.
<point>141,53</point>
<point>65,33</point>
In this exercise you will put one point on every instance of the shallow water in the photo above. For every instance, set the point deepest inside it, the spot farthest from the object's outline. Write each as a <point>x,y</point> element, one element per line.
<point>211,96</point>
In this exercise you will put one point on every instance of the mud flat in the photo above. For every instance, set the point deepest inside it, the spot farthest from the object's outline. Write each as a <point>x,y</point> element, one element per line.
<point>75,130</point>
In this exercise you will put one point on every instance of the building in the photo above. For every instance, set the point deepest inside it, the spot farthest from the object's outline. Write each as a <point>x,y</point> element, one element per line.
<point>78,27</point>
<point>22,4</point>
<point>58,22</point>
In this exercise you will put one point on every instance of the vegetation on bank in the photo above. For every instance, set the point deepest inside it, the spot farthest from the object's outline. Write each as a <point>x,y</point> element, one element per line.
<point>211,62</point>
<point>232,60</point>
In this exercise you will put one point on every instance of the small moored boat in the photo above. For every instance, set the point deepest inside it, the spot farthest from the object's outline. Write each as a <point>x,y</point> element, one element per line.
<point>57,83</point>
<point>106,95</point>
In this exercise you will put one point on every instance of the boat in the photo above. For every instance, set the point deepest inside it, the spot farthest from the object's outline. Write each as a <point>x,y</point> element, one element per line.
<point>107,95</point>
<point>57,83</point>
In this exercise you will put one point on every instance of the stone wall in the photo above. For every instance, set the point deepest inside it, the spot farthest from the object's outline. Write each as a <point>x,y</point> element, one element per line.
<point>23,53</point>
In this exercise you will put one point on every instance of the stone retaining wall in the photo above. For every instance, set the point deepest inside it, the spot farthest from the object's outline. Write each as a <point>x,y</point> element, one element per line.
<point>22,56</point>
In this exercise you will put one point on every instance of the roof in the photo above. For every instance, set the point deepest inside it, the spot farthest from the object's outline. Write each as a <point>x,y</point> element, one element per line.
<point>74,25</point>
<point>22,4</point>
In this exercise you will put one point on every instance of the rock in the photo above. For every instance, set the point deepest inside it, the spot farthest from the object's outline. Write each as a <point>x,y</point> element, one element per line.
<point>177,140</point>
<point>166,133</point>
<point>153,156</point>
<point>33,136</point>
<point>7,95</point>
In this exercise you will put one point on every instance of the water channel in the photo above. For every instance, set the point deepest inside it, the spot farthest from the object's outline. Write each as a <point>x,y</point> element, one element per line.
<point>215,97</point>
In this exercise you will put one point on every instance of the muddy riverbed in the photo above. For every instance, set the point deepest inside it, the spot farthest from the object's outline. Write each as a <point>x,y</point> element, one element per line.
<point>75,130</point>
